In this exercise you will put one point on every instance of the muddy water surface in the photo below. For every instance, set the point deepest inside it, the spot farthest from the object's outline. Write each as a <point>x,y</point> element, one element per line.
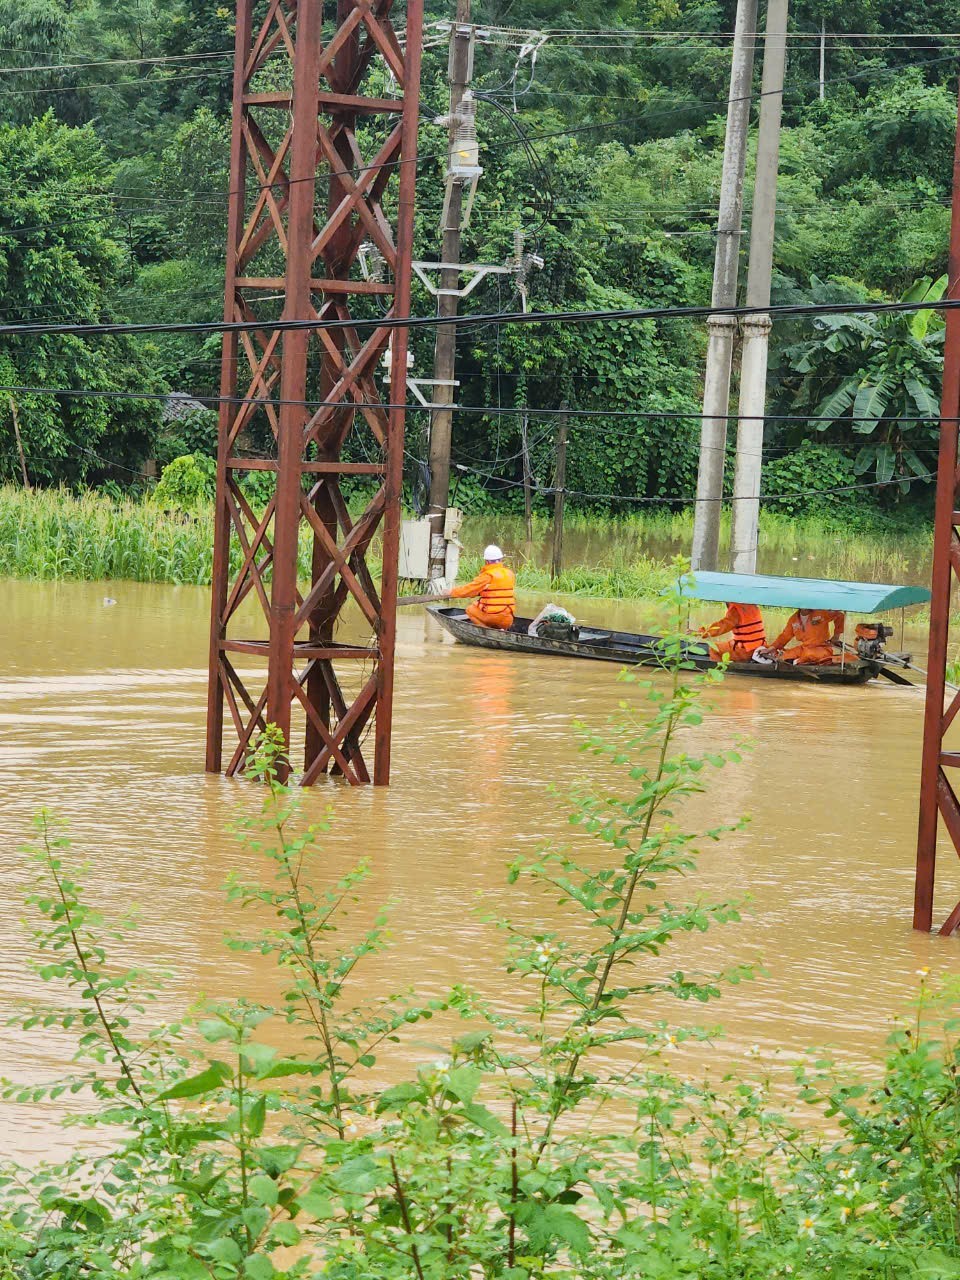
<point>102,710</point>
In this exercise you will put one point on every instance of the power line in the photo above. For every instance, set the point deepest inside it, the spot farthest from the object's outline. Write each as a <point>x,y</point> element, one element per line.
<point>681,499</point>
<point>625,315</point>
<point>116,62</point>
<point>657,33</point>
<point>142,82</point>
<point>694,415</point>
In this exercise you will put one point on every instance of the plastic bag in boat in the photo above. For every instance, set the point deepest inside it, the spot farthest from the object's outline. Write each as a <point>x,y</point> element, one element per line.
<point>762,659</point>
<point>554,623</point>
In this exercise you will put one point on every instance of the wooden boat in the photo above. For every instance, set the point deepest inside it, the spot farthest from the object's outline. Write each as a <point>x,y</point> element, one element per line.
<point>632,649</point>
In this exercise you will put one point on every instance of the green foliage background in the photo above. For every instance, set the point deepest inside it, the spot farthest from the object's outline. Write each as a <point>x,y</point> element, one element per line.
<point>113,207</point>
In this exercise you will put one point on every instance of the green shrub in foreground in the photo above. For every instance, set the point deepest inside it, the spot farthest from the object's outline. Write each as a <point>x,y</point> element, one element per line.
<point>552,1140</point>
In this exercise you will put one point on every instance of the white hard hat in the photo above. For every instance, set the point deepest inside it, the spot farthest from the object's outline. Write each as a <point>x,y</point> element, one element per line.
<point>492,552</point>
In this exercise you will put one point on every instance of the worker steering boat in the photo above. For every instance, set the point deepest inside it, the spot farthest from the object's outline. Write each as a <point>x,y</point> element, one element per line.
<point>813,645</point>
<point>494,588</point>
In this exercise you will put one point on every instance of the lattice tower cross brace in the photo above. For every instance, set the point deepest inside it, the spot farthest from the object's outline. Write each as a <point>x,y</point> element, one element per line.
<point>283,142</point>
<point>937,792</point>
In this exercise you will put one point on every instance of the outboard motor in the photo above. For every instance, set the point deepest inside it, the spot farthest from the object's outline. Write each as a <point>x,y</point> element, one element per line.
<point>869,639</point>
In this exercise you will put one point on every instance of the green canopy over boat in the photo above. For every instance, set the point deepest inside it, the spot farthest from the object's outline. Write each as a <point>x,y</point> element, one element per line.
<point>799,593</point>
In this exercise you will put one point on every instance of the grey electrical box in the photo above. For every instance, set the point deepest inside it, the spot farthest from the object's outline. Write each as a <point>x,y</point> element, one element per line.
<point>414,549</point>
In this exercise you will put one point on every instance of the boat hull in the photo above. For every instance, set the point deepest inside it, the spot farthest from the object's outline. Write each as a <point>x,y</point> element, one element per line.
<point>629,649</point>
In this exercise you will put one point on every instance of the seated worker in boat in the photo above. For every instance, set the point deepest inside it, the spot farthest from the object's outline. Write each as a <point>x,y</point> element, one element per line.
<point>809,631</point>
<point>748,635</point>
<point>494,585</point>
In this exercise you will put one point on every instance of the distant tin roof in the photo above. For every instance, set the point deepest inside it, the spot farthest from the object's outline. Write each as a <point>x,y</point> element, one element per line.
<point>179,405</point>
<point>799,593</point>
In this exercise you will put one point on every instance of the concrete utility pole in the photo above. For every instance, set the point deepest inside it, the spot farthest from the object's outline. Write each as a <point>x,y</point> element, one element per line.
<point>756,328</point>
<point>823,59</point>
<point>722,329</point>
<point>460,69</point>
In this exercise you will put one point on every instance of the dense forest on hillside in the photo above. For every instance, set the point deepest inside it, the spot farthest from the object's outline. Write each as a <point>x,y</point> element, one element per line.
<point>604,149</point>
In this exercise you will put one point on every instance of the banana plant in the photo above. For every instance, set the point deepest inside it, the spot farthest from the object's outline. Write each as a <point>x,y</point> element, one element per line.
<point>877,376</point>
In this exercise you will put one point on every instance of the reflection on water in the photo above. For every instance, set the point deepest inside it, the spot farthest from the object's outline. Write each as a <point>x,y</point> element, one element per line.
<point>102,710</point>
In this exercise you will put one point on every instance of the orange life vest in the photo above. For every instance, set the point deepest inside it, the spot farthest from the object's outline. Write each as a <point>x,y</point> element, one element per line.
<point>748,630</point>
<point>812,629</point>
<point>497,594</point>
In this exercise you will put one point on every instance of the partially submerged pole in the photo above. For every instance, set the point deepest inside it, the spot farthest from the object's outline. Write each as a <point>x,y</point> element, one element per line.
<point>527,480</point>
<point>722,329</point>
<point>756,328</point>
<point>559,494</point>
<point>445,349</point>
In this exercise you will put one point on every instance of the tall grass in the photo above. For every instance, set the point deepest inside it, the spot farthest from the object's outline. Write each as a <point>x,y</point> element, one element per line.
<point>57,534</point>
<point>808,546</point>
<point>624,581</point>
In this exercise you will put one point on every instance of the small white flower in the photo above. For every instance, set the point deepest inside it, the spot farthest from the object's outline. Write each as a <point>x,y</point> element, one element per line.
<point>351,1129</point>
<point>847,1175</point>
<point>441,1065</point>
<point>753,1051</point>
<point>924,972</point>
<point>670,1040</point>
<point>847,1191</point>
<point>808,1227</point>
<point>845,1212</point>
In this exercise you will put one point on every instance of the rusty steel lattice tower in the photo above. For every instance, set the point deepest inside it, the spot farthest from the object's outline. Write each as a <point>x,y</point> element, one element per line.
<point>938,793</point>
<point>312,164</point>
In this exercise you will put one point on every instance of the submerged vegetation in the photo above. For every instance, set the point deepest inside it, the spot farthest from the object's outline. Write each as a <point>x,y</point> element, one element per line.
<point>55,534</point>
<point>555,1138</point>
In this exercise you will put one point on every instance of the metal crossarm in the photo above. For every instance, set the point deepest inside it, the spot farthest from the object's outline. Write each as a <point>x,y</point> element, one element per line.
<point>321,164</point>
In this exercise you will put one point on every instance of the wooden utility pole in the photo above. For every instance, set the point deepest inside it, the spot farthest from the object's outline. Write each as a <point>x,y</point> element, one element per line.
<point>445,351</point>
<point>16,431</point>
<point>527,480</point>
<point>559,495</point>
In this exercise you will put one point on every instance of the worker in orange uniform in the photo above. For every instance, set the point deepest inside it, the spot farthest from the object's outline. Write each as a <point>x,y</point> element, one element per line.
<point>748,635</point>
<point>494,585</point>
<point>809,631</point>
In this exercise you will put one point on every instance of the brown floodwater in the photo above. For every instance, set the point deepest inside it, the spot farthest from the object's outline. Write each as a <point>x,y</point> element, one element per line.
<point>102,707</point>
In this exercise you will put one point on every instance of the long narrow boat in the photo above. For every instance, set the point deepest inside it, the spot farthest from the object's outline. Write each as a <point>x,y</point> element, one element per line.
<point>627,648</point>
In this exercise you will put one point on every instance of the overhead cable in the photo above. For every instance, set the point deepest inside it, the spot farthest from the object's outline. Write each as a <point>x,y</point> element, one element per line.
<point>692,415</point>
<point>625,315</point>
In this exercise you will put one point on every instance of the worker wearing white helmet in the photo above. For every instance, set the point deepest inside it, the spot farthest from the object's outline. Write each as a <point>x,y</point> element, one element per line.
<point>494,588</point>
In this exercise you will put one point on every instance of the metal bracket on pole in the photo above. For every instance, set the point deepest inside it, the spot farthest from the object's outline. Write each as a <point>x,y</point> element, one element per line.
<point>414,385</point>
<point>477,271</point>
